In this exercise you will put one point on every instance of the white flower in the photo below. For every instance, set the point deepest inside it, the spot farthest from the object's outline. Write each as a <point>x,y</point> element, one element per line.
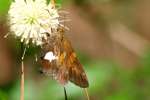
<point>29,19</point>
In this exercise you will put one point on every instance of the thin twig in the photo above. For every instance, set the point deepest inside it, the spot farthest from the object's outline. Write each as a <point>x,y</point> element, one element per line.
<point>36,59</point>
<point>65,92</point>
<point>86,93</point>
<point>22,73</point>
<point>22,81</point>
<point>23,53</point>
<point>5,36</point>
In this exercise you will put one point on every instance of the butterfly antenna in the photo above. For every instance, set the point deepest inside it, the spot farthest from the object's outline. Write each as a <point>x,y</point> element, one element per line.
<point>86,93</point>
<point>65,92</point>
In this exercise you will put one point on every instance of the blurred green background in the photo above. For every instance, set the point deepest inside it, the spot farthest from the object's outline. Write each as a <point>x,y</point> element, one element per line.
<point>111,38</point>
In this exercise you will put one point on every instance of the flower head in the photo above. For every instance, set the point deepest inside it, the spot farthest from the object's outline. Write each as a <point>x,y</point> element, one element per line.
<point>29,19</point>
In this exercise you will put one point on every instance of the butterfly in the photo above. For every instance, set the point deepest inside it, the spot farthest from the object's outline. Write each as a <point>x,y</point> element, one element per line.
<point>60,61</point>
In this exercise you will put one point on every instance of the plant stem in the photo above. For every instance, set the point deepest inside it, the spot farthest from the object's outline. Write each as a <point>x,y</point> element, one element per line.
<point>22,81</point>
<point>65,92</point>
<point>86,93</point>
<point>22,73</point>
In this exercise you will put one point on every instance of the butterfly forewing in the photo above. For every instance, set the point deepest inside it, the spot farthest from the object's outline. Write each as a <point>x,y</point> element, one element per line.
<point>66,67</point>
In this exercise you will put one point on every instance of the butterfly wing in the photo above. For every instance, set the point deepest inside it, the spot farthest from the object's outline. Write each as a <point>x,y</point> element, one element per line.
<point>72,64</point>
<point>67,67</point>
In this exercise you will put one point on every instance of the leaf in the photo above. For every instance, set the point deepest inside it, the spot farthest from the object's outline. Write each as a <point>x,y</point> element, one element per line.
<point>58,2</point>
<point>4,6</point>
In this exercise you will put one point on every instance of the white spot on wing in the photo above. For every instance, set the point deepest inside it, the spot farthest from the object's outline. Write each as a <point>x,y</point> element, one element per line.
<point>50,56</point>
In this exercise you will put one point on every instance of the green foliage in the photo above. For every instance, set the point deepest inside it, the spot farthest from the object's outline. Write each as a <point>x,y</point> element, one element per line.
<point>3,95</point>
<point>58,2</point>
<point>4,6</point>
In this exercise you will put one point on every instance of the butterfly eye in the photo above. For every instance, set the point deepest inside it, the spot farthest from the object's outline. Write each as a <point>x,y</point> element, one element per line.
<point>47,34</point>
<point>42,57</point>
<point>41,71</point>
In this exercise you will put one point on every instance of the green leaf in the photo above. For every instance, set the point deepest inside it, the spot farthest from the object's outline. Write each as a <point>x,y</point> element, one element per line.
<point>4,6</point>
<point>58,2</point>
<point>3,95</point>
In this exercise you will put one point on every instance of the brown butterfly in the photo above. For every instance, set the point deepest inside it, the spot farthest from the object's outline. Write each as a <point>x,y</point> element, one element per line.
<point>60,61</point>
